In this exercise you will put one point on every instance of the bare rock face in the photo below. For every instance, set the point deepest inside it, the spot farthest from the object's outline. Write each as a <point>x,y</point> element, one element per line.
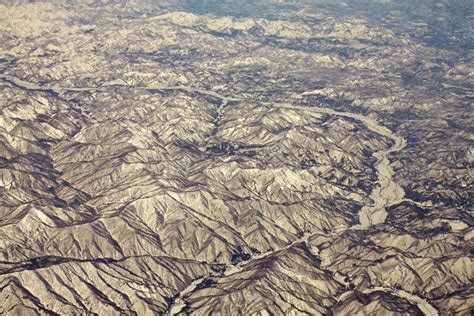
<point>374,303</point>
<point>105,286</point>
<point>286,281</point>
<point>236,158</point>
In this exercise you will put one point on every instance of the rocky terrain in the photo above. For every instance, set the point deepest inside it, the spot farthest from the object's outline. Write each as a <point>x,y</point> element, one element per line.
<point>236,158</point>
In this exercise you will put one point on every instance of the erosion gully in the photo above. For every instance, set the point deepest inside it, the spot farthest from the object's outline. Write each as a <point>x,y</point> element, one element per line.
<point>385,193</point>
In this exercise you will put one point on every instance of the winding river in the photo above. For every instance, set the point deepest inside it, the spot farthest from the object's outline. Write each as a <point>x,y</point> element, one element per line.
<point>385,193</point>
